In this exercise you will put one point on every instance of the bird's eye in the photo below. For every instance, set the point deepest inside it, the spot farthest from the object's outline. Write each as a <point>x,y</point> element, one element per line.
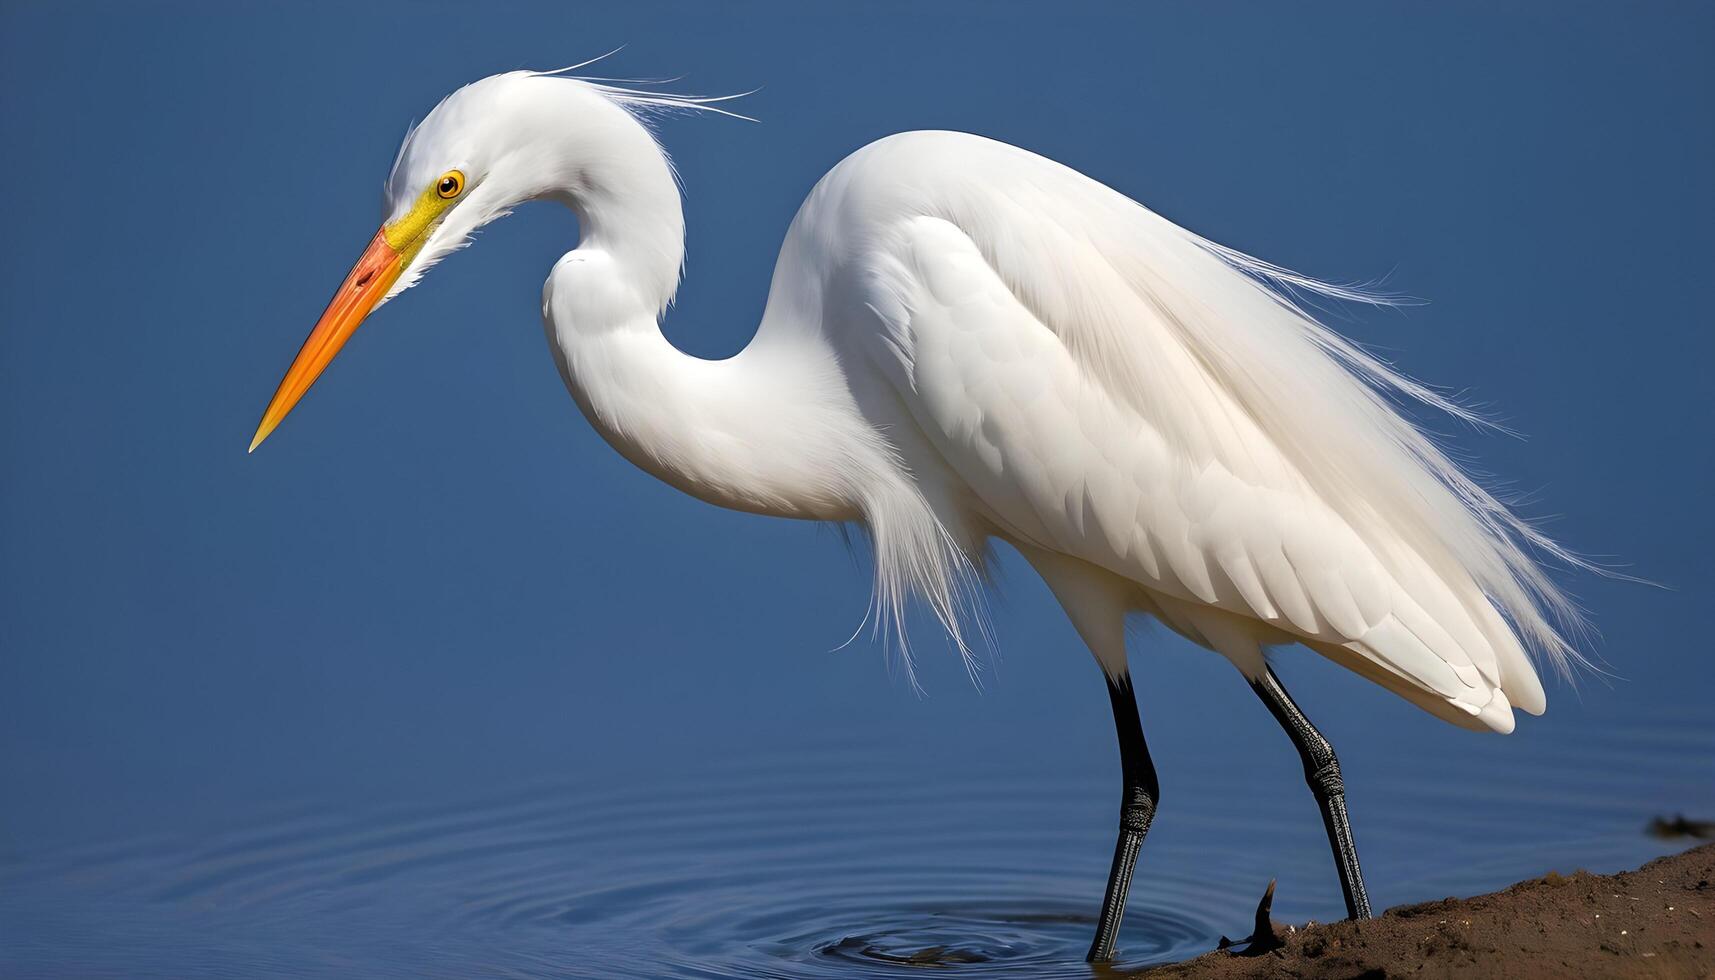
<point>450,184</point>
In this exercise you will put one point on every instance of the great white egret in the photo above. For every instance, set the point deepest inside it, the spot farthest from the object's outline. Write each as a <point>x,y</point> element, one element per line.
<point>965,342</point>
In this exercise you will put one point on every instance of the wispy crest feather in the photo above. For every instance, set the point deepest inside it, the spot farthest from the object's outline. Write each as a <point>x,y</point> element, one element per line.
<point>643,101</point>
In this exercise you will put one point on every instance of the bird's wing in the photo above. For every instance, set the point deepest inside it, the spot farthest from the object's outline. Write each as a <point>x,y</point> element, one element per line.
<point>1131,454</point>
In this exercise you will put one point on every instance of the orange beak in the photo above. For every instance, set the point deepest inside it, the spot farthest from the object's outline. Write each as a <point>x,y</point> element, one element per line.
<point>375,272</point>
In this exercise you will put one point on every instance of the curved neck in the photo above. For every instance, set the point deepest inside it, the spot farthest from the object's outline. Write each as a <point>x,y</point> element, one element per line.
<point>770,430</point>
<point>606,166</point>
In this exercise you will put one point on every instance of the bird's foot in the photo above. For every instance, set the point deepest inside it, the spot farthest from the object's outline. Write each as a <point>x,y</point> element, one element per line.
<point>1263,938</point>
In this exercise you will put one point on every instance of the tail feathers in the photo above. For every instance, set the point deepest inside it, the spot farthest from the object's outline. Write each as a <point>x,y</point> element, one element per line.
<point>1483,711</point>
<point>1389,655</point>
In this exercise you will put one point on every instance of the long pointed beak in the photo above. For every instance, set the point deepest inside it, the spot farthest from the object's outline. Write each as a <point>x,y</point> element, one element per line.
<point>375,272</point>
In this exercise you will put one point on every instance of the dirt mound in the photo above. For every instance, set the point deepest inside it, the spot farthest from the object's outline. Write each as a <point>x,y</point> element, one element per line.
<point>1657,921</point>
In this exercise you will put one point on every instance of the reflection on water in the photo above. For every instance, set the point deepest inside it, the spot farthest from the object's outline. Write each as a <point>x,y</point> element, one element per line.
<point>827,863</point>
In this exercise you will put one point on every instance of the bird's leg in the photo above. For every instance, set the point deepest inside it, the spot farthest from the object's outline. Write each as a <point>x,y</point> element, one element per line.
<point>1322,772</point>
<point>1137,809</point>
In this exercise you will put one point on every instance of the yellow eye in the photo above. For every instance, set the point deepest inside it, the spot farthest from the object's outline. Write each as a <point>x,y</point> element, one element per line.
<point>450,184</point>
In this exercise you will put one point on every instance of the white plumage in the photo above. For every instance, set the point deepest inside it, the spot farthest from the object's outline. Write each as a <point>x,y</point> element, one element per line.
<point>965,342</point>
<point>989,343</point>
<point>1044,334</point>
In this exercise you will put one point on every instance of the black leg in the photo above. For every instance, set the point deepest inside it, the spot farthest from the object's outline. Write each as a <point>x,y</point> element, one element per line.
<point>1322,772</point>
<point>1137,809</point>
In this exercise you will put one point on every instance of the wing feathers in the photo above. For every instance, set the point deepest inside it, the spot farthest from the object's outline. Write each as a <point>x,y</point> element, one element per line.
<point>1287,590</point>
<point>1218,518</point>
<point>1243,574</point>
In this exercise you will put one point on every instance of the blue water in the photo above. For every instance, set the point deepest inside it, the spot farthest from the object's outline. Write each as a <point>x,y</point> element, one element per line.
<point>842,856</point>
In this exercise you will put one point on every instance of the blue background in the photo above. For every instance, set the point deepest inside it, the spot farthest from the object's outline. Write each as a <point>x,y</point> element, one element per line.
<point>435,581</point>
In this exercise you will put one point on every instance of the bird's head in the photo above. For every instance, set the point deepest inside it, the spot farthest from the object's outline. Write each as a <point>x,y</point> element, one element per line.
<point>489,146</point>
<point>450,178</point>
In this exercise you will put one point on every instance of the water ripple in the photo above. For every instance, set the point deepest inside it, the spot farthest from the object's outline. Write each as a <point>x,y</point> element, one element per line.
<point>773,867</point>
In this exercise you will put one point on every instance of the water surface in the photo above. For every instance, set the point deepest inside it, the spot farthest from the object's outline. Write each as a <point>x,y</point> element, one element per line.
<point>830,858</point>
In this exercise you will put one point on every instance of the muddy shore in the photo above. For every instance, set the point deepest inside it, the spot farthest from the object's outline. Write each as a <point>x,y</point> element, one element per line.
<point>1657,921</point>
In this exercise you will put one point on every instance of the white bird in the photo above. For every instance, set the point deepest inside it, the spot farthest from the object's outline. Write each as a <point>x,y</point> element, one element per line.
<point>966,342</point>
